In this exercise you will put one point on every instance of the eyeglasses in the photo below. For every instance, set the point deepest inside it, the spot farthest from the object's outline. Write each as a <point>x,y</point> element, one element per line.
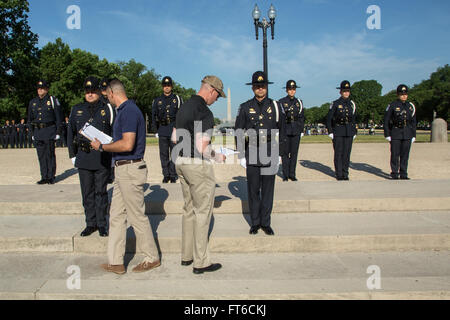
<point>90,91</point>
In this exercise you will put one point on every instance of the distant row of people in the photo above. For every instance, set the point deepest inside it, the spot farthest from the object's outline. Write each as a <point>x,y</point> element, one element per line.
<point>19,136</point>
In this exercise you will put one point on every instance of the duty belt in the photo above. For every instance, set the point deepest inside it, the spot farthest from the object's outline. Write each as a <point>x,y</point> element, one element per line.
<point>43,125</point>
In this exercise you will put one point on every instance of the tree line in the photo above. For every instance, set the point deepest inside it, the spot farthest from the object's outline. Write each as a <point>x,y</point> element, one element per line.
<point>22,63</point>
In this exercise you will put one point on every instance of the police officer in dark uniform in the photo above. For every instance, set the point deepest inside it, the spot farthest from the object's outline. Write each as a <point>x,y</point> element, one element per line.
<point>5,133</point>
<point>29,135</point>
<point>93,166</point>
<point>4,136</point>
<point>400,130</point>
<point>164,112</point>
<point>64,125</point>
<point>13,137</point>
<point>103,87</point>
<point>44,114</point>
<point>295,123</point>
<point>341,125</point>
<point>256,120</point>
<point>22,128</point>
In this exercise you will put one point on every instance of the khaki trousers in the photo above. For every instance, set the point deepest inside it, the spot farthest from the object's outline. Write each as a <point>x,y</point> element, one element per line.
<point>198,185</point>
<point>128,205</point>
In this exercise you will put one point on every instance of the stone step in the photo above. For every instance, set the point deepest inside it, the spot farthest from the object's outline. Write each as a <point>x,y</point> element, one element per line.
<point>308,232</point>
<point>402,275</point>
<point>231,197</point>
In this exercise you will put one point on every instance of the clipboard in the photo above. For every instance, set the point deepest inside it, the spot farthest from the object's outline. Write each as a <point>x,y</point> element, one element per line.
<point>91,133</point>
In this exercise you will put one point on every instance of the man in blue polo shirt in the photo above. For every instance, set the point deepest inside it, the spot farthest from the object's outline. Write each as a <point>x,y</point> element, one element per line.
<point>131,171</point>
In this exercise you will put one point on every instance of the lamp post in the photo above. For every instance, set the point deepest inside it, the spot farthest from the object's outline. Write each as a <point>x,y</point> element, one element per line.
<point>264,25</point>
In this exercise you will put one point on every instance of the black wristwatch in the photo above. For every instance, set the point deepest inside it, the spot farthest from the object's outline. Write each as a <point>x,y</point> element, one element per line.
<point>100,148</point>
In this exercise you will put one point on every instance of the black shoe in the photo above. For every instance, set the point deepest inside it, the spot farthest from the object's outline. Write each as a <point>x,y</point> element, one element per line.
<point>293,178</point>
<point>186,263</point>
<point>345,179</point>
<point>173,180</point>
<point>211,268</point>
<point>405,178</point>
<point>43,181</point>
<point>268,231</point>
<point>254,229</point>
<point>394,177</point>
<point>51,181</point>
<point>166,180</point>
<point>102,232</point>
<point>339,178</point>
<point>88,231</point>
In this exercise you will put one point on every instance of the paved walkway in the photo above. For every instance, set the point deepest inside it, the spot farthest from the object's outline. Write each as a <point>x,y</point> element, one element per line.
<point>370,161</point>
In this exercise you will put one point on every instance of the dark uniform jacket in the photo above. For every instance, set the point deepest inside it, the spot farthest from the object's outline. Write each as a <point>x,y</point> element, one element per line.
<point>100,116</point>
<point>261,117</point>
<point>341,119</point>
<point>164,113</point>
<point>400,121</point>
<point>45,117</point>
<point>295,115</point>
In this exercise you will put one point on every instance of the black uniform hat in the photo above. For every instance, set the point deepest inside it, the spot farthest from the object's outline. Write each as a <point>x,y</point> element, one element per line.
<point>402,89</point>
<point>42,84</point>
<point>345,85</point>
<point>259,77</point>
<point>91,83</point>
<point>167,81</point>
<point>104,84</point>
<point>291,84</point>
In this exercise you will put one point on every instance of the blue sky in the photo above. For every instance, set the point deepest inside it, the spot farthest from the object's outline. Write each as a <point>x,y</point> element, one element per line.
<point>318,43</point>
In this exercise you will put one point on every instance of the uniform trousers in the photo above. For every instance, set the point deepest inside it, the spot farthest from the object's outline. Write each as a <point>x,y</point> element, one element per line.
<point>4,140</point>
<point>399,157</point>
<point>22,142</point>
<point>290,158</point>
<point>165,150</point>
<point>342,150</point>
<point>198,186</point>
<point>13,140</point>
<point>47,158</point>
<point>95,197</point>
<point>260,189</point>
<point>128,205</point>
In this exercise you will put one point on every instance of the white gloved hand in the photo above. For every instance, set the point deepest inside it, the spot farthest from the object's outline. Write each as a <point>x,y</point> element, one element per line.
<point>32,138</point>
<point>243,163</point>
<point>156,136</point>
<point>302,134</point>
<point>331,136</point>
<point>354,137</point>
<point>389,139</point>
<point>413,140</point>
<point>57,137</point>
<point>73,160</point>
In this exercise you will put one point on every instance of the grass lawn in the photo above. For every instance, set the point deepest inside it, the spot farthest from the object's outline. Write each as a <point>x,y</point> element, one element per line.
<point>422,137</point>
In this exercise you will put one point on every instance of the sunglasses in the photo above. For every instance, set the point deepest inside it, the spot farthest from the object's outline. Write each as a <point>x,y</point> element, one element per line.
<point>90,91</point>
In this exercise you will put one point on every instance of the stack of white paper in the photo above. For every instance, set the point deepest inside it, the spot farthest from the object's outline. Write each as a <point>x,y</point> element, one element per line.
<point>92,133</point>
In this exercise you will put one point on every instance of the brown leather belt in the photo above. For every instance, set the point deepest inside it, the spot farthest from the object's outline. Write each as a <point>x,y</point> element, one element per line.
<point>122,162</point>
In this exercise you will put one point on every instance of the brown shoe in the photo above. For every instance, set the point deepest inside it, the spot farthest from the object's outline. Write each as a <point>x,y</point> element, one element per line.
<point>146,266</point>
<point>119,269</point>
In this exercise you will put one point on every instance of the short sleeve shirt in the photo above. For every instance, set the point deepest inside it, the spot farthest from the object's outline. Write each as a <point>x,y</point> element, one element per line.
<point>130,119</point>
<point>193,117</point>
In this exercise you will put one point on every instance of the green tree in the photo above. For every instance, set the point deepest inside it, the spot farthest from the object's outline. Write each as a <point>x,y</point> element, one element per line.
<point>366,94</point>
<point>18,58</point>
